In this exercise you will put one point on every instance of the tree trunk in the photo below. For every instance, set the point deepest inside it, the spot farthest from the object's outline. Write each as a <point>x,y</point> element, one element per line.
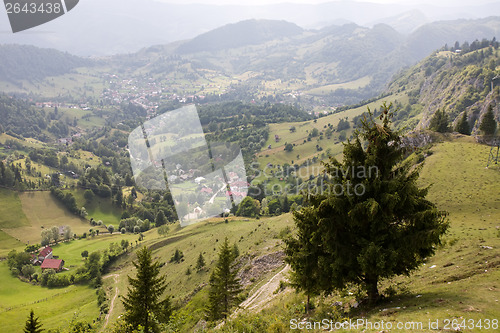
<point>372,289</point>
<point>307,303</point>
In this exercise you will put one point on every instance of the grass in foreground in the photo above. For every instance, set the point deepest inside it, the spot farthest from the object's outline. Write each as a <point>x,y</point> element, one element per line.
<point>459,282</point>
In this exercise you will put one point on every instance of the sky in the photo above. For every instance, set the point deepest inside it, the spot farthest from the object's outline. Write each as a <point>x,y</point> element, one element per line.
<point>267,2</point>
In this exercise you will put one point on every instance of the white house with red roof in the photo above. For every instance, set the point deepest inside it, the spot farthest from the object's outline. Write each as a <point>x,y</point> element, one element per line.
<point>46,253</point>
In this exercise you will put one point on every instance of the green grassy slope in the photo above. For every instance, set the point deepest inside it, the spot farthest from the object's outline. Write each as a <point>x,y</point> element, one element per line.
<point>8,243</point>
<point>308,150</point>
<point>11,217</point>
<point>11,212</point>
<point>99,209</point>
<point>253,238</point>
<point>56,307</point>
<point>459,282</point>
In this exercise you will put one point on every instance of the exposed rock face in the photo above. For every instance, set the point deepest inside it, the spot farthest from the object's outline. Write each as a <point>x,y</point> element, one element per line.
<point>257,267</point>
<point>417,139</point>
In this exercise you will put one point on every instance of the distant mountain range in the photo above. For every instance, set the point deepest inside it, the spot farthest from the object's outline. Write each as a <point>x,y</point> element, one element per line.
<point>279,50</point>
<point>108,27</point>
<point>357,61</point>
<point>249,32</point>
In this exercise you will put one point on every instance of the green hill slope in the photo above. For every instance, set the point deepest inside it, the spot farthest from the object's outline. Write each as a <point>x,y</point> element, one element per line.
<point>460,281</point>
<point>24,62</point>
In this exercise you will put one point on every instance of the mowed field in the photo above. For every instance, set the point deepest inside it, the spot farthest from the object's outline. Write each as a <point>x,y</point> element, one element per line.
<point>25,215</point>
<point>11,216</point>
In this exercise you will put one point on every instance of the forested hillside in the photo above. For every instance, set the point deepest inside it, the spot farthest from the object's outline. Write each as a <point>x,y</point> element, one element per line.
<point>24,62</point>
<point>21,118</point>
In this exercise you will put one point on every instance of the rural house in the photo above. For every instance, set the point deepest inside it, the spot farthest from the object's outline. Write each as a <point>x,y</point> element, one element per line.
<point>55,264</point>
<point>46,253</point>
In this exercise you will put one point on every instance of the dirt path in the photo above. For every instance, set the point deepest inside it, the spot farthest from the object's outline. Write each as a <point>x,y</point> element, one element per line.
<point>262,296</point>
<point>112,304</point>
<point>265,293</point>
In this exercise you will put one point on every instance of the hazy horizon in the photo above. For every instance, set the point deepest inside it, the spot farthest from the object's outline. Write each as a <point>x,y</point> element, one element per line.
<point>447,3</point>
<point>122,26</point>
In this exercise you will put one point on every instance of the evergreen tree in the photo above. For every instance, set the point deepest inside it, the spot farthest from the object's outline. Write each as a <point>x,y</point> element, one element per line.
<point>200,263</point>
<point>383,226</point>
<point>462,126</point>
<point>142,303</point>
<point>439,122</point>
<point>177,257</point>
<point>33,324</point>
<point>224,285</point>
<point>119,197</point>
<point>303,254</point>
<point>488,124</point>
<point>236,251</point>
<point>160,218</point>
<point>285,207</point>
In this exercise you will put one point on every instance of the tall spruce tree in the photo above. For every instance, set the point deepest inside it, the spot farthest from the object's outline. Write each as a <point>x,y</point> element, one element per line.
<point>143,307</point>
<point>440,122</point>
<point>200,263</point>
<point>33,324</point>
<point>160,218</point>
<point>462,125</point>
<point>374,222</point>
<point>224,284</point>
<point>303,253</point>
<point>488,124</point>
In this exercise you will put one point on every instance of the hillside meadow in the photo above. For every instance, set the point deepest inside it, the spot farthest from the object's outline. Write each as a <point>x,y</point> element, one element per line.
<point>57,307</point>
<point>460,281</point>
<point>305,149</point>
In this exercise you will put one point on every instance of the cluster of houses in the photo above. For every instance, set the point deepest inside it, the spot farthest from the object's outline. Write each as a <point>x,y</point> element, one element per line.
<point>239,187</point>
<point>185,175</point>
<point>238,190</point>
<point>146,92</point>
<point>46,259</point>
